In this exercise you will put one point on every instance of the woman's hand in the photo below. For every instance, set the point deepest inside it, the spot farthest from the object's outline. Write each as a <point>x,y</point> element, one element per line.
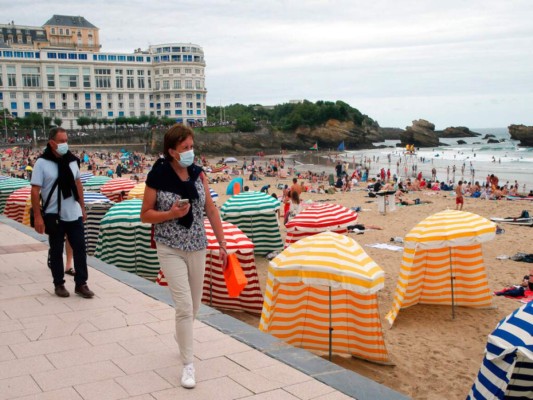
<point>224,258</point>
<point>179,211</point>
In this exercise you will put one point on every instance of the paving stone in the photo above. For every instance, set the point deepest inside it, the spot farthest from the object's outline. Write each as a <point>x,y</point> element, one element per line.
<point>219,389</point>
<point>254,382</point>
<point>145,382</point>
<point>277,394</point>
<point>63,394</point>
<point>148,361</point>
<point>282,374</point>
<point>24,366</point>
<point>10,338</point>
<point>217,348</point>
<point>101,390</point>
<point>6,354</point>
<point>82,374</point>
<point>10,326</point>
<point>252,359</point>
<point>309,389</point>
<point>118,334</point>
<point>148,344</point>
<point>17,387</point>
<point>92,354</point>
<point>48,346</point>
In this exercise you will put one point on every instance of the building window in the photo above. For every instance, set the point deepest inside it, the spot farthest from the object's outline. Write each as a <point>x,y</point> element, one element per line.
<point>189,95</point>
<point>189,104</point>
<point>119,82</point>
<point>188,84</point>
<point>52,105</point>
<point>177,104</point>
<point>87,105</point>
<point>197,84</point>
<point>130,82</point>
<point>177,84</point>
<point>198,105</point>
<point>190,112</point>
<point>178,112</point>
<point>167,105</point>
<point>11,76</point>
<point>188,70</point>
<point>39,105</point>
<point>68,77</point>
<point>166,85</point>
<point>51,79</point>
<point>176,70</point>
<point>157,85</point>
<point>140,82</point>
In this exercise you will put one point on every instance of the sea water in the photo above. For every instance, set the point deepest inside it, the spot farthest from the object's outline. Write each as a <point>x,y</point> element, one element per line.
<point>505,159</point>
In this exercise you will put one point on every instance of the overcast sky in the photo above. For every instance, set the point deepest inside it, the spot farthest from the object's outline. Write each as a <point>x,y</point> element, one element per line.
<point>452,62</point>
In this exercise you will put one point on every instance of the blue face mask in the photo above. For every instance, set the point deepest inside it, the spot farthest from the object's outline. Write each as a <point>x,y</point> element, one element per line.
<point>62,148</point>
<point>186,158</point>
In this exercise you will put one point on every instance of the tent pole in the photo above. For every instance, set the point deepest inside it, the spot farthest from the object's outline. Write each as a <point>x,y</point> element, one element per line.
<point>451,283</point>
<point>211,277</point>
<point>330,326</point>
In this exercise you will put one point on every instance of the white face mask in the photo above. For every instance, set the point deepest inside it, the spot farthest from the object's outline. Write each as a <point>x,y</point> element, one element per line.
<point>186,158</point>
<point>62,148</point>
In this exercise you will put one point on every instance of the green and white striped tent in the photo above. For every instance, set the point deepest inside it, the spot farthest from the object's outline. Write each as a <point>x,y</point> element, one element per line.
<point>124,240</point>
<point>95,183</point>
<point>96,206</point>
<point>255,213</point>
<point>8,186</point>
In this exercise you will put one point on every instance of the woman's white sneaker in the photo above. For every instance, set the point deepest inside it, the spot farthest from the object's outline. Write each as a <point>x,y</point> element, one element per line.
<point>187,378</point>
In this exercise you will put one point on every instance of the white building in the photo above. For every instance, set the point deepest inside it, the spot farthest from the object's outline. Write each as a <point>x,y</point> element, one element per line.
<point>166,80</point>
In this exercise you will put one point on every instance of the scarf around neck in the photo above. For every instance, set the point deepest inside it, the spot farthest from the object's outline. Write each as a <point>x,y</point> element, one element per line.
<point>163,177</point>
<point>66,182</point>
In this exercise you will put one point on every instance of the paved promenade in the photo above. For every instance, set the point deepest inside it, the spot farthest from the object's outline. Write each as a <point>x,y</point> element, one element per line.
<point>120,344</point>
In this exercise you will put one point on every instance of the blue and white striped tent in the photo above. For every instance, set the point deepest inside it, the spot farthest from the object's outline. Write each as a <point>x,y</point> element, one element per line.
<point>507,368</point>
<point>2,177</point>
<point>214,195</point>
<point>85,176</point>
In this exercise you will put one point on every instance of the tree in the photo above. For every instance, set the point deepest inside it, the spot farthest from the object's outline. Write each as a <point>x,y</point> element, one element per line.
<point>245,124</point>
<point>58,121</point>
<point>83,121</point>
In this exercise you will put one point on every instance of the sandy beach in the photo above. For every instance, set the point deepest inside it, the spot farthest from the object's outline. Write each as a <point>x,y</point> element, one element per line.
<point>434,356</point>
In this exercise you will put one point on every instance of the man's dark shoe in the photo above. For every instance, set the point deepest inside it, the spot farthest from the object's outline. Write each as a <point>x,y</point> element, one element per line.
<point>84,291</point>
<point>60,291</point>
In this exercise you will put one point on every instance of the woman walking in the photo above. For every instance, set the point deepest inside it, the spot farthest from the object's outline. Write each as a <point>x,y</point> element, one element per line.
<point>175,198</point>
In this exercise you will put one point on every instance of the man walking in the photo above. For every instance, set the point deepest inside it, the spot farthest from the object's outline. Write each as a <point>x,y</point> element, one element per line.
<point>459,199</point>
<point>56,177</point>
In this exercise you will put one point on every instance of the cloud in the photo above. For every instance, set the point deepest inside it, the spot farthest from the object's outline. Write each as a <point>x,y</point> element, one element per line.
<point>396,61</point>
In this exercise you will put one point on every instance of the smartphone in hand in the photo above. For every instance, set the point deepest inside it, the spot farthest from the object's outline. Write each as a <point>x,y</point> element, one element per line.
<point>182,202</point>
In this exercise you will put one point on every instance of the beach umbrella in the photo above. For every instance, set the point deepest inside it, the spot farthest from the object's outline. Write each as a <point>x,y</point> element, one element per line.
<point>507,366</point>
<point>321,295</point>
<point>214,195</point>
<point>8,186</point>
<point>16,203</point>
<point>214,291</point>
<point>230,160</point>
<point>235,186</point>
<point>319,217</point>
<point>137,192</point>
<point>28,168</point>
<point>85,176</point>
<point>95,183</point>
<point>3,178</point>
<point>255,213</point>
<point>114,187</point>
<point>96,206</point>
<point>442,262</point>
<point>124,240</point>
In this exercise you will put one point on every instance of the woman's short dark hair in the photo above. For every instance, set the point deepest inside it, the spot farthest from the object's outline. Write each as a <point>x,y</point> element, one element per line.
<point>174,136</point>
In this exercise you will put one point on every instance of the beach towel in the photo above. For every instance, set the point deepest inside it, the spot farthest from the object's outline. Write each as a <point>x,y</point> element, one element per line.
<point>525,298</point>
<point>385,246</point>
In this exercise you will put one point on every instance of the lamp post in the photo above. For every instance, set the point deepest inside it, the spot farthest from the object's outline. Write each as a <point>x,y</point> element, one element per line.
<point>5,122</point>
<point>44,125</point>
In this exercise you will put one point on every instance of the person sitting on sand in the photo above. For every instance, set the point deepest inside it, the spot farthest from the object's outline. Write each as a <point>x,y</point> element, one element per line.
<point>400,198</point>
<point>520,289</point>
<point>295,207</point>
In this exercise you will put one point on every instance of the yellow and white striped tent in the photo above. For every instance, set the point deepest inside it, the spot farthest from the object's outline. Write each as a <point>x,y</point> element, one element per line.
<point>321,282</point>
<point>137,192</point>
<point>441,249</point>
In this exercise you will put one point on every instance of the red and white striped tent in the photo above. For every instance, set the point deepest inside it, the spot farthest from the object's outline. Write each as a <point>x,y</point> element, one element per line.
<point>16,204</point>
<point>215,292</point>
<point>112,188</point>
<point>318,218</point>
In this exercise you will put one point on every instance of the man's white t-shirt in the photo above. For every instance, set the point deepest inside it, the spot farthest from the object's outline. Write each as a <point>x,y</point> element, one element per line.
<point>44,175</point>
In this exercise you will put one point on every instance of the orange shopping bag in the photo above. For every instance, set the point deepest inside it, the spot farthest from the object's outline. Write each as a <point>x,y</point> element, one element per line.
<point>234,276</point>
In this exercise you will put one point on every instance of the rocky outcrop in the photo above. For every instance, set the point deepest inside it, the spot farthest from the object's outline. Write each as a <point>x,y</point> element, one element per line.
<point>421,134</point>
<point>461,142</point>
<point>268,140</point>
<point>457,132</point>
<point>522,133</point>
<point>493,141</point>
<point>488,136</point>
